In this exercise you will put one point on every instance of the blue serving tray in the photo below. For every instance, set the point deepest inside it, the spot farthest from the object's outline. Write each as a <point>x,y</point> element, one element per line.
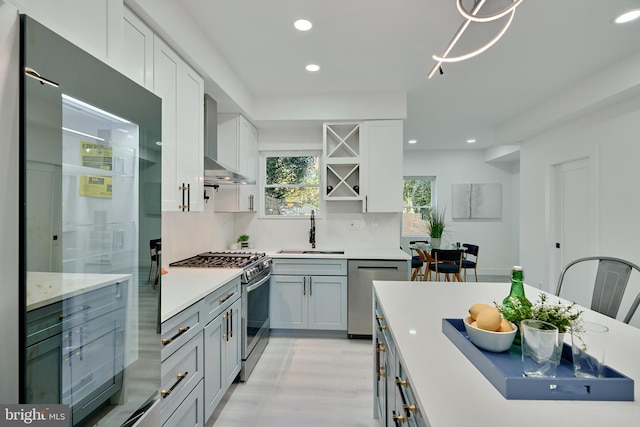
<point>504,371</point>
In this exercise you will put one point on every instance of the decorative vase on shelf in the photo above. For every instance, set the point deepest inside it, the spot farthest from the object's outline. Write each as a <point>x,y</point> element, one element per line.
<point>435,242</point>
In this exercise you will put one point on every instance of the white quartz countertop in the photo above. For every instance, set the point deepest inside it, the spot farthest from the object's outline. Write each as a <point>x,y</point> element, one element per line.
<point>452,392</point>
<point>44,288</point>
<point>363,253</point>
<point>182,287</point>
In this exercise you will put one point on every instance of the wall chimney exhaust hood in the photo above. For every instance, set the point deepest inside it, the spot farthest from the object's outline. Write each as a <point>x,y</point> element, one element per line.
<point>214,171</point>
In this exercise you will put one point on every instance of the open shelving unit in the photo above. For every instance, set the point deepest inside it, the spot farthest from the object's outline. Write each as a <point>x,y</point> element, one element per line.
<point>342,160</point>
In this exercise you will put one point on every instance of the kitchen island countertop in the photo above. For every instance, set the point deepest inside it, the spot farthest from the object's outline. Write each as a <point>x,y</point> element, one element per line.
<point>182,287</point>
<point>451,392</point>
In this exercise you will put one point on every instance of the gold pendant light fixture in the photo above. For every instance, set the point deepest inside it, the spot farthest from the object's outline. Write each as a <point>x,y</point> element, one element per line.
<point>474,16</point>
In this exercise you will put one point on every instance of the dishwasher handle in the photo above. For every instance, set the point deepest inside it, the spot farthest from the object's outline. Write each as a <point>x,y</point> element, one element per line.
<point>381,267</point>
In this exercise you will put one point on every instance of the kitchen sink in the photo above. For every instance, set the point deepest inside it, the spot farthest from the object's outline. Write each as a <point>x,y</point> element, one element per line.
<point>301,252</point>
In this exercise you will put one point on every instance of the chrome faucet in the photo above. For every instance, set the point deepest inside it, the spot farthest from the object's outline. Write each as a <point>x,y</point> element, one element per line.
<point>312,231</point>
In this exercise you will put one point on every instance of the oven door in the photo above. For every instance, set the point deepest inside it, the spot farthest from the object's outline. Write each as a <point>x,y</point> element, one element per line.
<point>255,313</point>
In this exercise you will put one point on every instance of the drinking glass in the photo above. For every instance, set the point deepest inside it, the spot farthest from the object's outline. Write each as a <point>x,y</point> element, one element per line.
<point>541,348</point>
<point>588,348</point>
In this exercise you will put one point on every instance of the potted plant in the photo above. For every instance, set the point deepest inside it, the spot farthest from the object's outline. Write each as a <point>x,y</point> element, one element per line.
<point>436,226</point>
<point>243,240</point>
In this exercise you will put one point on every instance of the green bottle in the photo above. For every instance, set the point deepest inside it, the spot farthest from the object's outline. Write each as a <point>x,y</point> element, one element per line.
<point>516,307</point>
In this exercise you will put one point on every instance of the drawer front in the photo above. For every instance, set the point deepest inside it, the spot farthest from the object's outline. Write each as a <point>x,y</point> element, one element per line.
<point>219,300</point>
<point>92,304</point>
<point>43,323</point>
<point>180,328</point>
<point>310,267</point>
<point>407,403</point>
<point>190,413</point>
<point>180,374</point>
<point>381,327</point>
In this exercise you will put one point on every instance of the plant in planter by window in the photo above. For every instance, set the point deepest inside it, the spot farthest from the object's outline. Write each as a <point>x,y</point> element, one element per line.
<point>436,223</point>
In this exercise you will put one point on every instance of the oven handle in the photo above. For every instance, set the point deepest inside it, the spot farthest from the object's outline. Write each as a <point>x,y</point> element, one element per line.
<point>260,283</point>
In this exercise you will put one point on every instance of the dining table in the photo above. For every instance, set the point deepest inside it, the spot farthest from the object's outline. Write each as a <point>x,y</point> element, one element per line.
<point>424,251</point>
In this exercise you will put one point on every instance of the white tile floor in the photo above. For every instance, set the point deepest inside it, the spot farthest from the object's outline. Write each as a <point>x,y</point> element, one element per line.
<point>304,382</point>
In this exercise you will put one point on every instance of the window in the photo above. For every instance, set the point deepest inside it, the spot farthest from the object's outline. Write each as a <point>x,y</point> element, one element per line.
<point>292,185</point>
<point>417,193</point>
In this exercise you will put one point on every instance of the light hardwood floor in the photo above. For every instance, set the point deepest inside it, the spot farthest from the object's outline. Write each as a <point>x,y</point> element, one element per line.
<point>305,382</point>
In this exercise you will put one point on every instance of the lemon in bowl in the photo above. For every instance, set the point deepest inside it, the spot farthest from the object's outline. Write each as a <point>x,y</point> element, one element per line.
<point>494,341</point>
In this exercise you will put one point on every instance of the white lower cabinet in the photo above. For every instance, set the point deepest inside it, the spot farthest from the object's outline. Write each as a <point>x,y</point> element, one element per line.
<point>222,342</point>
<point>308,301</point>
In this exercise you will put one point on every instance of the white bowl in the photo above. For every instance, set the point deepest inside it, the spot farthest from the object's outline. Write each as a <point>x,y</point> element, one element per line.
<point>488,340</point>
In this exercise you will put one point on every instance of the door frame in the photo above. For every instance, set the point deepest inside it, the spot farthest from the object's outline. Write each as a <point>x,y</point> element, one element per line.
<point>552,211</point>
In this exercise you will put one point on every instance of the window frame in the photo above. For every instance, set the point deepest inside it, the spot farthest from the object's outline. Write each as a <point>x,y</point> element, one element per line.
<point>262,184</point>
<point>432,206</point>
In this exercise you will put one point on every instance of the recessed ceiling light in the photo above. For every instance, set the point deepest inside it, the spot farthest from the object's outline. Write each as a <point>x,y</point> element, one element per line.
<point>312,67</point>
<point>628,16</point>
<point>412,141</point>
<point>471,141</point>
<point>303,25</point>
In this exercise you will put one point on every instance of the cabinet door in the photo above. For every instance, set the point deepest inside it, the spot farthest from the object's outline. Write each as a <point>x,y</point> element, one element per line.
<point>213,364</point>
<point>327,302</point>
<point>166,72</point>
<point>137,50</point>
<point>232,355</point>
<point>94,26</point>
<point>383,146</point>
<point>190,154</point>
<point>289,305</point>
<point>182,93</point>
<point>44,371</point>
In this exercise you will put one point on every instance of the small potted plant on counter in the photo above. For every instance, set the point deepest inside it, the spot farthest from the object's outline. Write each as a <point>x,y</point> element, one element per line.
<point>243,241</point>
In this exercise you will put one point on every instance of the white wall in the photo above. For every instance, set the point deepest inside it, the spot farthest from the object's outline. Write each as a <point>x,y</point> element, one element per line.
<point>9,84</point>
<point>185,234</point>
<point>332,227</point>
<point>495,236</point>
<point>611,139</point>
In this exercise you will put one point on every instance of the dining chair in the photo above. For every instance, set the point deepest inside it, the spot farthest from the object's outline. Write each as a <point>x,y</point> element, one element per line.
<point>417,261</point>
<point>611,281</point>
<point>470,263</point>
<point>446,261</point>
<point>154,255</point>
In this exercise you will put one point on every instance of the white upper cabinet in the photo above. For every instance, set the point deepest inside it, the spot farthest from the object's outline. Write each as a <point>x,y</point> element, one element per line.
<point>382,166</point>
<point>137,50</point>
<point>182,93</point>
<point>363,162</point>
<point>237,149</point>
<point>94,26</point>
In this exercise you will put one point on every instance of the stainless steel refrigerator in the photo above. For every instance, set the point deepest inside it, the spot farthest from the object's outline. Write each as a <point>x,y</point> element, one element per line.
<point>89,205</point>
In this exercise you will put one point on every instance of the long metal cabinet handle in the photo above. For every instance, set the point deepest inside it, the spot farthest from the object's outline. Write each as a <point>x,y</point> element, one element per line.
<point>164,393</point>
<point>310,286</point>
<point>181,330</point>
<point>304,285</point>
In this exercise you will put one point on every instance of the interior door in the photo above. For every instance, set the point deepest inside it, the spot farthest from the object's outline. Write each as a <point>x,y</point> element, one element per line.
<point>571,215</point>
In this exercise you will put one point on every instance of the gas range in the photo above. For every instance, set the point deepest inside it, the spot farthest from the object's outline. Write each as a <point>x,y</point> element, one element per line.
<point>254,264</point>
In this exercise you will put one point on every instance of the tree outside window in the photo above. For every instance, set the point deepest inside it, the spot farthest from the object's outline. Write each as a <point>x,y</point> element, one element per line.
<point>292,185</point>
<point>417,195</point>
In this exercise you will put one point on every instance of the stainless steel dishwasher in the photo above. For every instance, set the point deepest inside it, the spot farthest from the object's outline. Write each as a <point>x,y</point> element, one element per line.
<point>361,273</point>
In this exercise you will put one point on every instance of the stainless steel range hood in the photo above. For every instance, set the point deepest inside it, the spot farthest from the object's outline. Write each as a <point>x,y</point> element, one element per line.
<point>214,171</point>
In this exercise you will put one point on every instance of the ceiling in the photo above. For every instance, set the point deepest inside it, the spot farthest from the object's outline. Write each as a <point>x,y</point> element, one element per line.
<point>385,46</point>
